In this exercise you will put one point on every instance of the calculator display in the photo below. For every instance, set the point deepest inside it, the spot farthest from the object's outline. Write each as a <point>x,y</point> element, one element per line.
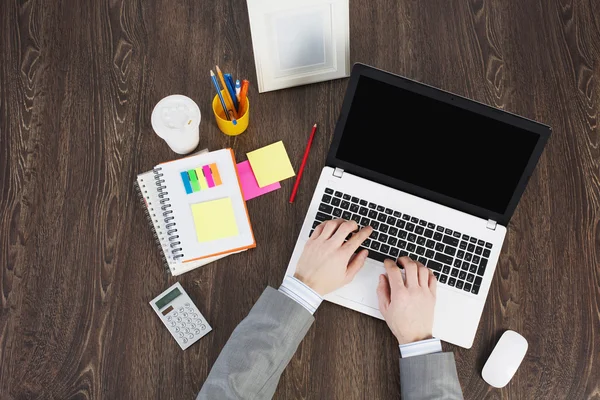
<point>169,297</point>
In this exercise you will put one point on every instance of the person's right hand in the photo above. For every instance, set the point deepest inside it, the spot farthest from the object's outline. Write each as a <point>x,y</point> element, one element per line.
<point>407,304</point>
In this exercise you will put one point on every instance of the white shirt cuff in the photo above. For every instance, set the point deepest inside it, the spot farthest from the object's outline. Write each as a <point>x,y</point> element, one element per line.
<point>300,293</point>
<point>421,347</point>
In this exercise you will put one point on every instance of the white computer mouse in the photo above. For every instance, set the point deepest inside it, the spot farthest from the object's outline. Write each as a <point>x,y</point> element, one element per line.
<point>505,359</point>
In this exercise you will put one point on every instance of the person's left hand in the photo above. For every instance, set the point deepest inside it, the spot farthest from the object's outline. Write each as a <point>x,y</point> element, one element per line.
<point>327,263</point>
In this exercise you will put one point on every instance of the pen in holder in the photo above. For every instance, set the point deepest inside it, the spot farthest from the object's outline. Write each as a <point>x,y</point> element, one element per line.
<point>228,127</point>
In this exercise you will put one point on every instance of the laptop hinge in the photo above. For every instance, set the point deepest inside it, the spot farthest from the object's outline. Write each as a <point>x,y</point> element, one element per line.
<point>491,224</point>
<point>338,172</point>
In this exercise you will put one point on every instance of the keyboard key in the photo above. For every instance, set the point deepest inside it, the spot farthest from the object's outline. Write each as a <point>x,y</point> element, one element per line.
<point>443,278</point>
<point>456,235</point>
<point>394,252</point>
<point>476,259</point>
<point>391,220</point>
<point>355,218</point>
<point>354,207</point>
<point>430,244</point>
<point>384,228</point>
<point>366,243</point>
<point>412,237</point>
<point>345,205</point>
<point>437,236</point>
<point>402,234</point>
<point>322,217</point>
<point>457,263</point>
<point>383,237</point>
<point>414,220</point>
<point>392,241</point>
<point>311,232</point>
<point>478,280</point>
<point>381,217</point>
<point>411,247</point>
<point>374,224</point>
<point>400,224</point>
<point>412,256</point>
<point>326,198</point>
<point>403,253</point>
<point>486,253</point>
<point>462,275</point>
<point>402,244</point>
<point>475,289</point>
<point>450,250</point>
<point>480,242</point>
<point>460,254</point>
<point>406,217</point>
<point>316,223</point>
<point>325,208</point>
<point>448,231</point>
<point>338,194</point>
<point>463,245</point>
<point>422,260</point>
<point>335,201</point>
<point>465,265</point>
<point>472,240</point>
<point>472,268</point>
<point>388,211</point>
<point>385,248</point>
<point>470,278</point>
<point>393,231</point>
<point>373,214</point>
<point>459,284</point>
<point>429,253</point>
<point>410,227</point>
<point>439,247</point>
<point>446,269</point>
<point>375,245</point>
<point>454,272</point>
<point>375,255</point>
<point>481,270</point>
<point>364,211</point>
<point>420,250</point>
<point>328,191</point>
<point>468,256</point>
<point>488,245</point>
<point>428,233</point>
<point>380,208</point>
<point>430,225</point>
<point>372,205</point>
<point>471,248</point>
<point>419,230</point>
<point>440,229</point>
<point>374,235</point>
<point>365,221</point>
<point>450,240</point>
<point>434,265</point>
<point>337,212</point>
<point>446,259</point>
<point>465,237</point>
<point>346,197</point>
<point>451,281</point>
<point>467,287</point>
<point>478,250</point>
<point>346,215</point>
<point>421,240</point>
<point>362,202</point>
<point>354,199</point>
<point>423,223</point>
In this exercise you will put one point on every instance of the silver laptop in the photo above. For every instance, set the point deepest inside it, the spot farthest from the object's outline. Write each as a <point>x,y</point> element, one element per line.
<point>437,176</point>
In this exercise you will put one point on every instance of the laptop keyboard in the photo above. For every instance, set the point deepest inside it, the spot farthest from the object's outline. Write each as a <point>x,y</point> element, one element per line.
<point>456,259</point>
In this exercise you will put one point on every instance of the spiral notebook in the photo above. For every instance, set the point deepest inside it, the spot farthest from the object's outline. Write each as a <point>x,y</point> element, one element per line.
<point>196,208</point>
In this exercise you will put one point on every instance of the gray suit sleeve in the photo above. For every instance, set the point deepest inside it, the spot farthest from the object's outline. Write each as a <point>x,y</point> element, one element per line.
<point>430,376</point>
<point>259,349</point>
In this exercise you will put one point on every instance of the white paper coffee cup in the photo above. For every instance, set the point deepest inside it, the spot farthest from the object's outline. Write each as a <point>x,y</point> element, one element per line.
<point>176,119</point>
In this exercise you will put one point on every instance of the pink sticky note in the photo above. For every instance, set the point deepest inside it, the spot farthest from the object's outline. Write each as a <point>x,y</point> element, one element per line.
<point>208,176</point>
<point>250,186</point>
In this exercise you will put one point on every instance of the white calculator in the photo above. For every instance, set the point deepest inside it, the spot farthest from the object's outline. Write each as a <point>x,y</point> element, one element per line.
<point>180,315</point>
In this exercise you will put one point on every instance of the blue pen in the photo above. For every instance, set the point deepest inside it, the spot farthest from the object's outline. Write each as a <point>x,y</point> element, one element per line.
<point>238,89</point>
<point>230,89</point>
<point>214,79</point>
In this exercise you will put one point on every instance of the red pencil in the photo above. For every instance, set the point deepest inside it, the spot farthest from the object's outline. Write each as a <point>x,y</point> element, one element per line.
<point>310,140</point>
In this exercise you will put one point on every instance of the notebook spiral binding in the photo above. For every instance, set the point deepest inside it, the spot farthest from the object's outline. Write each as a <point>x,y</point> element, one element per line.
<point>165,207</point>
<point>138,190</point>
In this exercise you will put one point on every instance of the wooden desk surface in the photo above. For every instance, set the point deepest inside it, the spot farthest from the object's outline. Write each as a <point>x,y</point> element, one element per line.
<point>78,81</point>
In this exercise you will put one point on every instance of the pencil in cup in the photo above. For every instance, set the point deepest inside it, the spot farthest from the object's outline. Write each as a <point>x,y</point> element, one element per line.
<point>227,127</point>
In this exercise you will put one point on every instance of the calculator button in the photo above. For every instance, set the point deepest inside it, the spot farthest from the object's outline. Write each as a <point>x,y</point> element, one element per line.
<point>181,334</point>
<point>191,336</point>
<point>175,314</point>
<point>173,323</point>
<point>188,309</point>
<point>184,340</point>
<point>176,329</point>
<point>182,325</point>
<point>186,330</point>
<point>178,319</point>
<point>197,331</point>
<point>180,309</point>
<point>193,326</point>
<point>185,314</point>
<point>194,315</point>
<point>169,318</point>
<point>188,320</point>
<point>187,304</point>
<point>203,327</point>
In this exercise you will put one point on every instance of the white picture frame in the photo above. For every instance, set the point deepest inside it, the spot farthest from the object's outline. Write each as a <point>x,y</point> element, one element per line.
<point>299,42</point>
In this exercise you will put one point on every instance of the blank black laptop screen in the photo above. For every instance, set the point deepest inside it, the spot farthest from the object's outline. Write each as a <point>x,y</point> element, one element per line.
<point>435,145</point>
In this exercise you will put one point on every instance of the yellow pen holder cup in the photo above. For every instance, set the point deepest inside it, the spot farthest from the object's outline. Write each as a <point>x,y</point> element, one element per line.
<point>227,127</point>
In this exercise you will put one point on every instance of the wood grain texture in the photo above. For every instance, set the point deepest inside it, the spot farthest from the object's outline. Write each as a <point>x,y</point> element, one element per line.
<point>78,80</point>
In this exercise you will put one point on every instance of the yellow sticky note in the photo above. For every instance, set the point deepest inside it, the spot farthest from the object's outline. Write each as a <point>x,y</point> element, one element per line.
<point>214,220</point>
<point>270,164</point>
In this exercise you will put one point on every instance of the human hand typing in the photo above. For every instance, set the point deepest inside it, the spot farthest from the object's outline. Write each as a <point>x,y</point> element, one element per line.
<point>407,303</point>
<point>327,263</point>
